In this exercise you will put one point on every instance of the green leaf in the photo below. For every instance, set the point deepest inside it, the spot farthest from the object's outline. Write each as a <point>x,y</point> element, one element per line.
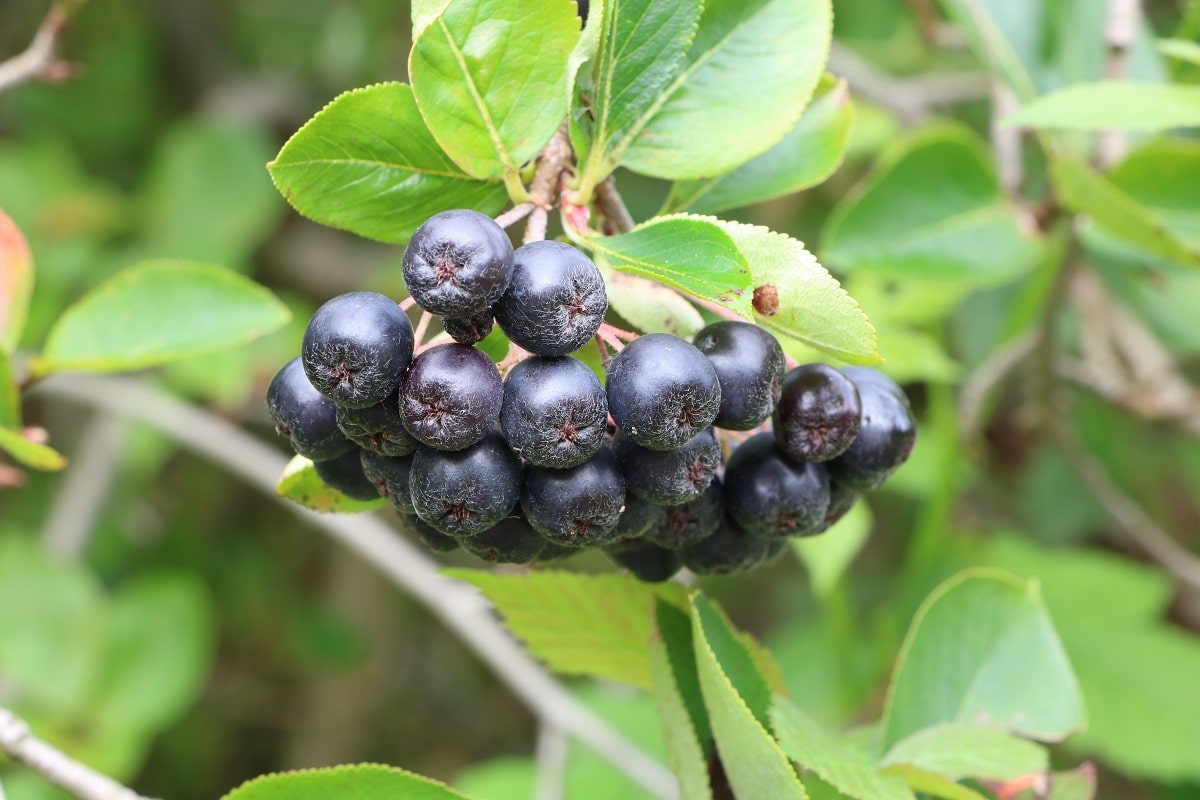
<point>157,312</point>
<point>690,253</point>
<point>962,750</point>
<point>829,755</point>
<point>358,782</point>
<point>301,484</point>
<point>828,556</point>
<point>806,157</point>
<point>982,649</point>
<point>796,297</point>
<point>1005,34</point>
<point>748,76</point>
<point>753,762</point>
<point>16,283</point>
<point>1180,50</point>
<point>641,45</point>
<point>490,78</point>
<point>367,163</point>
<point>1113,105</point>
<point>578,624</point>
<point>1077,784</point>
<point>1085,191</point>
<point>1162,178</point>
<point>933,210</point>
<point>648,306</point>
<point>680,703</point>
<point>10,395</point>
<point>424,12</point>
<point>31,454</point>
<point>934,784</point>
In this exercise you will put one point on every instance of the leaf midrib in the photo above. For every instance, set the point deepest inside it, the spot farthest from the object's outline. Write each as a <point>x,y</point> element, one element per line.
<point>277,166</point>
<point>489,125</point>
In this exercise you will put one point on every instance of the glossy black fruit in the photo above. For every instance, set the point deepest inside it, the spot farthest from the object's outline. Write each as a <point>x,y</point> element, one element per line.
<point>555,301</point>
<point>727,551</point>
<point>749,364</point>
<point>818,414</point>
<point>305,416</point>
<point>458,263</point>
<point>554,412</point>
<point>451,396</point>
<point>770,496</point>
<point>464,493</point>
<point>662,391</point>
<point>579,506</point>
<point>886,438</point>
<point>469,330</point>
<point>389,475</point>
<point>377,428</point>
<point>691,522</point>
<point>345,473</point>
<point>841,500</point>
<point>637,518</point>
<point>356,348</point>
<point>645,561</point>
<point>669,477</point>
<point>512,541</point>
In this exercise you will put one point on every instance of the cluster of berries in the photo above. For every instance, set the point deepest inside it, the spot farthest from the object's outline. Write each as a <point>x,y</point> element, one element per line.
<point>545,461</point>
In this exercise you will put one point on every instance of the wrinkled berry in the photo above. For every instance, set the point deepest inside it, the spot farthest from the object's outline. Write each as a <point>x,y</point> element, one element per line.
<point>378,428</point>
<point>818,414</point>
<point>669,477</point>
<point>645,561</point>
<point>463,493</point>
<point>749,364</point>
<point>345,474</point>
<point>727,551</point>
<point>885,439</point>
<point>554,412</point>
<point>555,301</point>
<point>512,541</point>
<point>469,330</point>
<point>689,523</point>
<point>451,396</point>
<point>305,416</point>
<point>577,506</point>
<point>458,263</point>
<point>770,496</point>
<point>389,475</point>
<point>356,348</point>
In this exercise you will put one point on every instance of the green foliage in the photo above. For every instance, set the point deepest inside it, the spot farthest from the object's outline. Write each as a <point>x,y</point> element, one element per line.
<point>360,782</point>
<point>16,283</point>
<point>828,557</point>
<point>301,484</point>
<point>1113,105</point>
<point>30,453</point>
<point>964,750</point>
<point>680,702</point>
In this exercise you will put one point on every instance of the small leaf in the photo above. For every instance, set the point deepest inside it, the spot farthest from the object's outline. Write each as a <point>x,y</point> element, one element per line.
<point>962,750</point>
<point>157,312</point>
<point>753,762</point>
<point>795,296</point>
<point>1086,191</point>
<point>934,784</point>
<point>1162,177</point>
<point>358,782</point>
<point>680,703</point>
<point>826,557</point>
<point>748,76</point>
<point>31,454</point>
<point>995,29</point>
<point>1077,784</point>
<point>301,484</point>
<point>807,156</point>
<point>838,762</point>
<point>934,210</point>
<point>367,163</point>
<point>689,253</point>
<point>982,649</point>
<point>10,395</point>
<point>578,624</point>
<point>490,79</point>
<point>1180,50</point>
<point>1113,105</point>
<point>16,283</point>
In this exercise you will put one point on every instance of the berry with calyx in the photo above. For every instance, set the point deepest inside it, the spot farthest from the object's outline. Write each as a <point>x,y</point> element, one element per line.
<point>669,477</point>
<point>749,364</point>
<point>378,428</point>
<point>554,412</point>
<point>305,416</point>
<point>579,506</point>
<point>463,493</point>
<point>458,263</point>
<point>469,330</point>
<point>389,474</point>
<point>691,522</point>
<point>555,301</point>
<point>771,496</point>
<point>512,541</point>
<point>356,348</point>
<point>818,414</point>
<point>727,551</point>
<point>885,439</point>
<point>646,561</point>
<point>662,391</point>
<point>451,396</point>
<point>345,474</point>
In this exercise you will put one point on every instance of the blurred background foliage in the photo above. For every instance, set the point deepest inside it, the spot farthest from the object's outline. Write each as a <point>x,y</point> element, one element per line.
<point>168,625</point>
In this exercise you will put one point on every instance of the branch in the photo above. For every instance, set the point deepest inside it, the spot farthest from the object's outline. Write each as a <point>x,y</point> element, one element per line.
<point>613,206</point>
<point>85,487</point>
<point>40,60</point>
<point>84,782</point>
<point>1120,33</point>
<point>458,606</point>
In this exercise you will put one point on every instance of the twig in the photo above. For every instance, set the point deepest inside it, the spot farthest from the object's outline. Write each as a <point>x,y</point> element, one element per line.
<point>535,228</point>
<point>1120,33</point>
<point>18,741</point>
<point>612,205</point>
<point>1006,139</point>
<point>979,387</point>
<point>514,215</point>
<point>551,763</point>
<point>459,606</point>
<point>422,327</point>
<point>85,486</point>
<point>40,60</point>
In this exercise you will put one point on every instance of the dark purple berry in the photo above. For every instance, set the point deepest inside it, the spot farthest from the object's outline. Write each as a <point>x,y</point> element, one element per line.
<point>727,551</point>
<point>469,330</point>
<point>749,364</point>
<point>356,348</point>
<point>818,414</point>
<point>662,391</point>
<point>458,263</point>
<point>669,477</point>
<point>555,301</point>
<point>463,493</point>
<point>554,551</point>
<point>451,396</point>
<point>645,561</point>
<point>689,523</point>
<point>512,541</point>
<point>345,474</point>
<point>431,537</point>
<point>770,496</point>
<point>305,416</point>
<point>389,474</point>
<point>579,506</point>
<point>554,413</point>
<point>885,439</point>
<point>378,428</point>
<point>841,500</point>
<point>637,518</point>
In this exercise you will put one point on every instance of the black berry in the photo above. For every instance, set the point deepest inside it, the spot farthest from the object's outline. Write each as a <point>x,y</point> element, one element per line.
<point>512,541</point>
<point>818,414</point>
<point>637,518</point>
<point>555,301</point>
<point>841,500</point>
<point>749,364</point>
<point>464,493</point>
<point>458,263</point>
<point>451,396</point>
<point>689,523</point>
<point>554,412</point>
<point>579,506</point>
<point>345,474</point>
<point>770,496</point>
<point>885,439</point>
<point>727,551</point>
<point>469,330</point>
<point>645,561</point>
<point>431,537</point>
<point>389,475</point>
<point>305,416</point>
<point>669,477</point>
<point>377,428</point>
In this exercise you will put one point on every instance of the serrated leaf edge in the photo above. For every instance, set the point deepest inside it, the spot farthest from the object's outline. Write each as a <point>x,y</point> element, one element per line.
<point>343,768</point>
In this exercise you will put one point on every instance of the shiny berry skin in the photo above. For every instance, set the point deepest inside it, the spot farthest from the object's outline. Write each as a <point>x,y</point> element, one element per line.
<point>305,416</point>
<point>345,474</point>
<point>662,391</point>
<point>579,506</point>
<point>818,414</point>
<point>469,330</point>
<point>885,439</point>
<point>356,348</point>
<point>554,412</point>
<point>770,496</point>
<point>749,364</point>
<point>669,477</point>
<point>645,561</point>
<point>841,500</point>
<point>637,518</point>
<point>458,263</point>
<point>451,396</point>
<point>389,474</point>
<point>463,493</point>
<point>555,301</point>
<point>377,428</point>
<point>689,523</point>
<point>511,541</point>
